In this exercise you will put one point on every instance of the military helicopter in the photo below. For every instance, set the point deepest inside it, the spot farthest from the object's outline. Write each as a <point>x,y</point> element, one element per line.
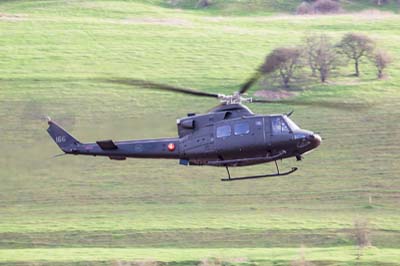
<point>229,135</point>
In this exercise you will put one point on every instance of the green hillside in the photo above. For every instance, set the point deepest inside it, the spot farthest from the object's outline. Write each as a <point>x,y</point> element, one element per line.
<point>92,211</point>
<point>257,7</point>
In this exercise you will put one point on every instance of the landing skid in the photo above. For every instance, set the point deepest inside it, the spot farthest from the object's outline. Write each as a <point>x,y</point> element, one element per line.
<point>294,169</point>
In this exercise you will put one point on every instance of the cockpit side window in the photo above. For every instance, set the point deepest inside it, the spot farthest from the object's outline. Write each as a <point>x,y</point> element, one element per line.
<point>224,131</point>
<point>279,125</point>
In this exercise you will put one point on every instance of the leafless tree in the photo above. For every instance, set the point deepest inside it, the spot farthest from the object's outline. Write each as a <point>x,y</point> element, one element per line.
<point>285,61</point>
<point>321,55</point>
<point>301,261</point>
<point>361,233</point>
<point>319,7</point>
<point>381,2</point>
<point>174,2</point>
<point>203,3</point>
<point>326,6</point>
<point>305,8</point>
<point>311,44</point>
<point>381,59</point>
<point>356,46</point>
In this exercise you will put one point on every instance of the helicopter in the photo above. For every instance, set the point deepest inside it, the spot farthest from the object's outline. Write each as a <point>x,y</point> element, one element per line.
<point>228,135</point>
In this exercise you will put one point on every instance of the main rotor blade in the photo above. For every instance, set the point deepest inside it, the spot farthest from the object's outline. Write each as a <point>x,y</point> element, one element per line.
<point>324,104</point>
<point>159,86</point>
<point>249,83</point>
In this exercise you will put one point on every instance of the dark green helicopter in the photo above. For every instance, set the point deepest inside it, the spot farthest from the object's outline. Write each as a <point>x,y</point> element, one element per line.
<point>229,135</point>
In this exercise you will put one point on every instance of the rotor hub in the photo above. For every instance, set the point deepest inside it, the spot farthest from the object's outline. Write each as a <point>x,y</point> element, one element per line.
<point>235,98</point>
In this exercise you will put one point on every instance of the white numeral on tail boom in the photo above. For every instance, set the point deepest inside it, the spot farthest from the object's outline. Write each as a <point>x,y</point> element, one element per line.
<point>60,139</point>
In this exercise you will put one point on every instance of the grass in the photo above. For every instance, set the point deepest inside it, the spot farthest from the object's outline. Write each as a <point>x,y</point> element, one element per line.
<point>93,211</point>
<point>343,254</point>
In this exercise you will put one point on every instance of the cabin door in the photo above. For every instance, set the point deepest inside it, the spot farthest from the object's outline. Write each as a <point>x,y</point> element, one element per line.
<point>242,138</point>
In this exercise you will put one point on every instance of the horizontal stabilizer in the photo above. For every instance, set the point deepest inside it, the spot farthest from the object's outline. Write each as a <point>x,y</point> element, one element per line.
<point>107,145</point>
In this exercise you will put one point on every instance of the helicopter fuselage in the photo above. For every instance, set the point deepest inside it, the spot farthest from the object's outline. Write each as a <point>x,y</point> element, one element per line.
<point>233,136</point>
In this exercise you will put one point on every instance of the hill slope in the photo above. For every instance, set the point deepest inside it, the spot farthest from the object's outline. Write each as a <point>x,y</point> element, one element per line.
<point>258,7</point>
<point>78,210</point>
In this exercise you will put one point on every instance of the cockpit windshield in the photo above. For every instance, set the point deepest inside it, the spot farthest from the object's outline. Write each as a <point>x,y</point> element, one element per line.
<point>291,124</point>
<point>279,125</point>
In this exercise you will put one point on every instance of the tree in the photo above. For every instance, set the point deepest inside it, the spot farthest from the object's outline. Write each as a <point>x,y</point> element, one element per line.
<point>305,8</point>
<point>356,46</point>
<point>203,3</point>
<point>301,261</point>
<point>173,2</point>
<point>311,44</point>
<point>285,61</point>
<point>361,233</point>
<point>321,55</point>
<point>381,59</point>
<point>318,7</point>
<point>381,2</point>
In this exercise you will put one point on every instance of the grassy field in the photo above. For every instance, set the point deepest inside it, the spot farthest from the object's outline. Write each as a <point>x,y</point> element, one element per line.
<point>93,211</point>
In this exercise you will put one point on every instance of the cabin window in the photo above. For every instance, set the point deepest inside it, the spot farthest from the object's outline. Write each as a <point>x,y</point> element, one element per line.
<point>279,125</point>
<point>224,131</point>
<point>241,129</point>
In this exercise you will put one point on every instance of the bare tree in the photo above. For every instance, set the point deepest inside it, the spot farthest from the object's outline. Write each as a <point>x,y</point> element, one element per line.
<point>305,8</point>
<point>311,44</point>
<point>203,3</point>
<point>285,61</point>
<point>174,2</point>
<point>381,59</point>
<point>301,261</point>
<point>381,2</point>
<point>321,55</point>
<point>361,233</point>
<point>355,46</point>
<point>319,7</point>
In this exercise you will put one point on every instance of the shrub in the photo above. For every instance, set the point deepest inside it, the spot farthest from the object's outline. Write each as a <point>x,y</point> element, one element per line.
<point>381,59</point>
<point>326,7</point>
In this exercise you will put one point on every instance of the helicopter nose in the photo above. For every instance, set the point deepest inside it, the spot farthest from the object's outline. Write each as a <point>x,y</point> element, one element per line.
<point>315,139</point>
<point>318,139</point>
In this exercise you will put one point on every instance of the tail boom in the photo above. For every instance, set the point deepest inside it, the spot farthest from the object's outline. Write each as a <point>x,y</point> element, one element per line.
<point>167,148</point>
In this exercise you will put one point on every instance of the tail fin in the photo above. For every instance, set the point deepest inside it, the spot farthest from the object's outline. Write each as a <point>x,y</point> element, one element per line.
<point>62,138</point>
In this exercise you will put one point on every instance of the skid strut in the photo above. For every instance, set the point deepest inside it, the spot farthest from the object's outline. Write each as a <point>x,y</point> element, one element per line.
<point>278,173</point>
